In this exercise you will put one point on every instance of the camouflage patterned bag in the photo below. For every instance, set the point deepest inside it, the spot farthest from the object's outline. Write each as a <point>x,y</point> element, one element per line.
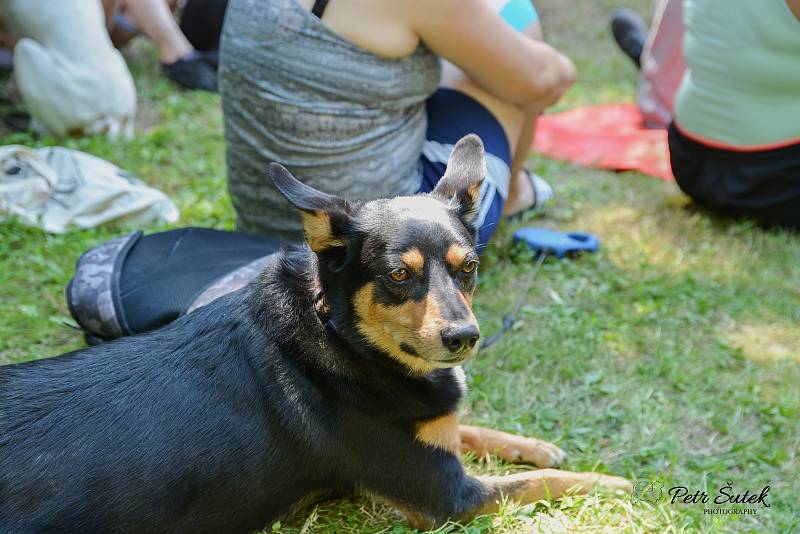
<point>136,283</point>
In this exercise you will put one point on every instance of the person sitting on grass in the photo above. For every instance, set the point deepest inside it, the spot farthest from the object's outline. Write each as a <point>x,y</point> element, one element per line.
<point>350,98</point>
<point>367,99</point>
<point>735,141</point>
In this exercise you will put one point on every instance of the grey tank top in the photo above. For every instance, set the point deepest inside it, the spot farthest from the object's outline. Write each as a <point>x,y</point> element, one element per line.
<point>342,119</point>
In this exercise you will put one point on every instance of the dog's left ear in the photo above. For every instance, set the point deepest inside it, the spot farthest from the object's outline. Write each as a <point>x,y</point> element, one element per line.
<point>323,216</point>
<point>461,184</point>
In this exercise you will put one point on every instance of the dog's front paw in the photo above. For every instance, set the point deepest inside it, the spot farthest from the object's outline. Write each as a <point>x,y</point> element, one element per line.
<point>510,447</point>
<point>533,451</point>
<point>614,483</point>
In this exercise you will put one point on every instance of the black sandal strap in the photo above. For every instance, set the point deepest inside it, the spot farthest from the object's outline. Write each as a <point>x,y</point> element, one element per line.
<point>319,8</point>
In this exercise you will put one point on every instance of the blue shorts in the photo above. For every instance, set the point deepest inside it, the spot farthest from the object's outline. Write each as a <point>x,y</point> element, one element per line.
<point>451,116</point>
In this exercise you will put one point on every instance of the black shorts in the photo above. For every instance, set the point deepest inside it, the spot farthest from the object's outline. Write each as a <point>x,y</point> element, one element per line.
<point>763,184</point>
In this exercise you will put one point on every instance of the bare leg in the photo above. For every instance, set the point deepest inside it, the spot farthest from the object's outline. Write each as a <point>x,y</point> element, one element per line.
<point>179,60</point>
<point>517,449</point>
<point>154,18</point>
<point>519,126</point>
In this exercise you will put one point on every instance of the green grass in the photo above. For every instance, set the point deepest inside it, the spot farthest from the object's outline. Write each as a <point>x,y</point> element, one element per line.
<point>673,354</point>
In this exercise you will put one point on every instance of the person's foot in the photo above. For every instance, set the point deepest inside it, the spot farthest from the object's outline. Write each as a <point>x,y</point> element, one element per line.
<point>630,33</point>
<point>531,194</point>
<point>210,56</point>
<point>192,72</point>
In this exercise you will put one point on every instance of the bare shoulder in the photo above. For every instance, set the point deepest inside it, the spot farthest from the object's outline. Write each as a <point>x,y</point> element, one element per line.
<point>794,5</point>
<point>383,27</point>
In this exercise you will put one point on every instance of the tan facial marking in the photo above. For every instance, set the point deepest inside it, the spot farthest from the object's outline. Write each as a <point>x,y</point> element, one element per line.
<point>414,260</point>
<point>417,324</point>
<point>318,231</point>
<point>456,255</point>
<point>442,432</point>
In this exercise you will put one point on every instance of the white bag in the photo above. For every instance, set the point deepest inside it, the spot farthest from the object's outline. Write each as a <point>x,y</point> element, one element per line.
<point>55,188</point>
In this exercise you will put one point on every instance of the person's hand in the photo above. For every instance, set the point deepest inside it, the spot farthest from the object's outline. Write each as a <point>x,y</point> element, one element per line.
<point>522,71</point>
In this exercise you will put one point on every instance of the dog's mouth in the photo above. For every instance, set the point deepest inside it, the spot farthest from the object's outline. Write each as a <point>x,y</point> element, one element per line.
<point>440,358</point>
<point>450,360</point>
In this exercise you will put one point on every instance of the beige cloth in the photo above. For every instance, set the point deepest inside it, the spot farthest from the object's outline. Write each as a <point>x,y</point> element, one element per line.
<point>57,188</point>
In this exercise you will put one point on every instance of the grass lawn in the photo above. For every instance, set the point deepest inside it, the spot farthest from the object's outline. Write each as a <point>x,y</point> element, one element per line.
<point>673,355</point>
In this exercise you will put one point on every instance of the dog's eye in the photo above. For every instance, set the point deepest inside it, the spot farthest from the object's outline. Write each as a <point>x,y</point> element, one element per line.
<point>470,266</point>
<point>399,275</point>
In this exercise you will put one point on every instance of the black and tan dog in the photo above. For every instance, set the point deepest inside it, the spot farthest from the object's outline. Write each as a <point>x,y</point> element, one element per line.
<point>336,372</point>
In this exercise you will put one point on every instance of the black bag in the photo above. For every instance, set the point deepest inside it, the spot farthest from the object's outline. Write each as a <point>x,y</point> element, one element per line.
<point>137,283</point>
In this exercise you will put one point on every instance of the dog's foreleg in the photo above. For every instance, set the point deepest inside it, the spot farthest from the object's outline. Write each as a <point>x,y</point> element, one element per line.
<point>430,486</point>
<point>509,447</point>
<point>533,486</point>
<point>527,487</point>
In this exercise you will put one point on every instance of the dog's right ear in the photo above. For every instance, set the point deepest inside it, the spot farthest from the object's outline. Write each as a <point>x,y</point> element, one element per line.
<point>324,216</point>
<point>463,178</point>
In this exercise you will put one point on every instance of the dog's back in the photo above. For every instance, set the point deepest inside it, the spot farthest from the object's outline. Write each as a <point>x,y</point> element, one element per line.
<point>171,431</point>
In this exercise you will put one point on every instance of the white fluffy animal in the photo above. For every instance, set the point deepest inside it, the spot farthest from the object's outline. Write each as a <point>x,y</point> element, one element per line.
<point>71,78</point>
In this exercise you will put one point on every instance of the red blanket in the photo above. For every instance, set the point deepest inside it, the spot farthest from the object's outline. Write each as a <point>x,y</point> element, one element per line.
<point>606,137</point>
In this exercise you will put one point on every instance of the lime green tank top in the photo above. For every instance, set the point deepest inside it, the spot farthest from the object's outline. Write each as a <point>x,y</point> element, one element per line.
<point>741,89</point>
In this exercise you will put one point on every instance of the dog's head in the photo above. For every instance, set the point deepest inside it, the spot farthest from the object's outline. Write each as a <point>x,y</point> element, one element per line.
<point>399,273</point>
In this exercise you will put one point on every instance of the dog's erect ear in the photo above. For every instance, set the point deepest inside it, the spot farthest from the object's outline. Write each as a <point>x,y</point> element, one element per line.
<point>324,216</point>
<point>461,183</point>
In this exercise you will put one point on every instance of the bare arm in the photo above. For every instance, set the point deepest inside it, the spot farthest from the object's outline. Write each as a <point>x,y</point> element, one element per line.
<point>524,72</point>
<point>794,5</point>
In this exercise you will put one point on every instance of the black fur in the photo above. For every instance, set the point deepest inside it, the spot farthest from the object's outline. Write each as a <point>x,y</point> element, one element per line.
<point>226,418</point>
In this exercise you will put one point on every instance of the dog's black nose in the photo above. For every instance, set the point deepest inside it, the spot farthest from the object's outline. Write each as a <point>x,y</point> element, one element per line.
<point>460,337</point>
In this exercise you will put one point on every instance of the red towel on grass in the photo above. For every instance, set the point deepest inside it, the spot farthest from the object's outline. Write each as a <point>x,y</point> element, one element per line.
<point>606,137</point>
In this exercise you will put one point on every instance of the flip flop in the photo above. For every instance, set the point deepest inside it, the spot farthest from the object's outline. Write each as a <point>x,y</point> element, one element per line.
<point>542,193</point>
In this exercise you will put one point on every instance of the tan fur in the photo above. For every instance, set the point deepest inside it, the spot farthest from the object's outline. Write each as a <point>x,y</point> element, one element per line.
<point>442,432</point>
<point>416,323</point>
<point>431,324</point>
<point>533,486</point>
<point>518,449</point>
<point>318,231</point>
<point>414,260</point>
<point>456,255</point>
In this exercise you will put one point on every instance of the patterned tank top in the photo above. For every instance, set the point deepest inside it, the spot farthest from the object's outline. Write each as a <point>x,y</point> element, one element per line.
<point>342,119</point>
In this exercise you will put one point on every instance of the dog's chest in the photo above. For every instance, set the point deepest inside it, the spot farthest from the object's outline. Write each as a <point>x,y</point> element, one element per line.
<point>461,380</point>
